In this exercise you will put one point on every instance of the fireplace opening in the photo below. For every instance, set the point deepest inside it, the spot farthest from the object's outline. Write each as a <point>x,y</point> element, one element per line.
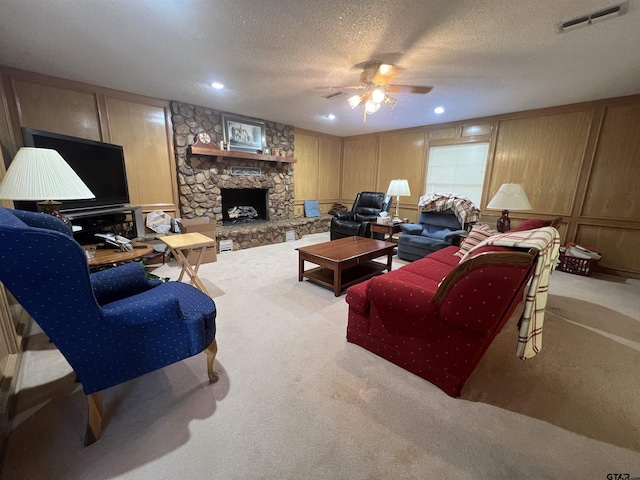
<point>242,205</point>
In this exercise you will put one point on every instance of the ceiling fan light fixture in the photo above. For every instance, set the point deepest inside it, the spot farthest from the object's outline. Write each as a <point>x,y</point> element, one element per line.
<point>371,106</point>
<point>390,101</point>
<point>354,101</point>
<point>385,68</point>
<point>378,95</point>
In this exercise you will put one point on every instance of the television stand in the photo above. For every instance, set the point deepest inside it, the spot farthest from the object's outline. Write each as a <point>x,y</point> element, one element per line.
<point>104,220</point>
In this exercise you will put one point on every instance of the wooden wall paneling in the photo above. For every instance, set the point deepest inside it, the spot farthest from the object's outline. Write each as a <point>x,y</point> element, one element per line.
<point>305,171</point>
<point>8,147</point>
<point>442,133</point>
<point>401,156</point>
<point>141,129</point>
<point>56,109</point>
<point>544,154</point>
<point>359,167</point>
<point>613,190</point>
<point>329,162</point>
<point>488,173</point>
<point>618,246</point>
<point>476,129</point>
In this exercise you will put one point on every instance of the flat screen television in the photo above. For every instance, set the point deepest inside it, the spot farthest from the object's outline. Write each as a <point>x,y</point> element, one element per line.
<point>100,165</point>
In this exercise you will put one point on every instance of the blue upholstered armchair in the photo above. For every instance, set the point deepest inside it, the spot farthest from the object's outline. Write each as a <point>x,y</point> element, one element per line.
<point>111,326</point>
<point>434,231</point>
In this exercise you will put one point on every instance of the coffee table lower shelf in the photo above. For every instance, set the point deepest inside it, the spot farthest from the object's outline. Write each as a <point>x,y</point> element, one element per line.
<point>350,276</point>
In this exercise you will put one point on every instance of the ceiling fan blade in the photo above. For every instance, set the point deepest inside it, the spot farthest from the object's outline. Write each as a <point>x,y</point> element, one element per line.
<point>408,89</point>
<point>339,87</point>
<point>385,73</point>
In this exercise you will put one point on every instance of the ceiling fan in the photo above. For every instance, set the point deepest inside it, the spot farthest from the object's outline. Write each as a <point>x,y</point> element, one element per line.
<point>375,83</point>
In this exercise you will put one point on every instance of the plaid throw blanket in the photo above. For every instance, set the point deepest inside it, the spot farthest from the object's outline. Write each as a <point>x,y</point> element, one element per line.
<point>463,208</point>
<point>546,240</point>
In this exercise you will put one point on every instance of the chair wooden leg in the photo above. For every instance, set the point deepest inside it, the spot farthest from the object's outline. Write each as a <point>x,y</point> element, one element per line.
<point>211,352</point>
<point>94,419</point>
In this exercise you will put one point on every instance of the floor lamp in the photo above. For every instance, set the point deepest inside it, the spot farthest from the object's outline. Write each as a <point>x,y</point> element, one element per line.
<point>510,196</point>
<point>42,175</point>
<point>398,188</point>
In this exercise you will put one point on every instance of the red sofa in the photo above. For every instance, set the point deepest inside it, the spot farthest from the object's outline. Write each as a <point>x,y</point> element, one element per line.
<point>436,317</point>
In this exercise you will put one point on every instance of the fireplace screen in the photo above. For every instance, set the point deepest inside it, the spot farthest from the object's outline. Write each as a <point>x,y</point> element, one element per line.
<point>242,205</point>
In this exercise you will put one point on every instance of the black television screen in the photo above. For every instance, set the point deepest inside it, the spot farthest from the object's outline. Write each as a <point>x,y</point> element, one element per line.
<point>100,165</point>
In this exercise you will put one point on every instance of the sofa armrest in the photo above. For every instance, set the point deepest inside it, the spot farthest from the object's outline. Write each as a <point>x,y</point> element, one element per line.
<point>120,282</point>
<point>411,228</point>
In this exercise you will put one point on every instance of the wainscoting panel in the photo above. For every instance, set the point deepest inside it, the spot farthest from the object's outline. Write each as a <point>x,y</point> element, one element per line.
<point>329,167</point>
<point>544,154</point>
<point>401,156</point>
<point>618,246</point>
<point>141,129</point>
<point>57,110</point>
<point>359,167</point>
<point>305,171</point>
<point>614,185</point>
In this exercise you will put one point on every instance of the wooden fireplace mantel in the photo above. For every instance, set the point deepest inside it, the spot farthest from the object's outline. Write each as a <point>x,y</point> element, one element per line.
<point>211,150</point>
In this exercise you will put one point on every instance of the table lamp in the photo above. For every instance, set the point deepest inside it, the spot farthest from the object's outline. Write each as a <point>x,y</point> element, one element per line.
<point>398,188</point>
<point>41,174</point>
<point>510,196</point>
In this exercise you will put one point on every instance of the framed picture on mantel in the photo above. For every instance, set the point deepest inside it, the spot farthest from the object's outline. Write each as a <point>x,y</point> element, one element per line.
<point>243,134</point>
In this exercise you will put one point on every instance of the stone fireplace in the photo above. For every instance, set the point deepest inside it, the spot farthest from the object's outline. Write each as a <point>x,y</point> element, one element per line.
<point>201,179</point>
<point>239,205</point>
<point>207,184</point>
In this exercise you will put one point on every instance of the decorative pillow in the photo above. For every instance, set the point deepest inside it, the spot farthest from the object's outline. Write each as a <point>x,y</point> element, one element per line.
<point>311,208</point>
<point>475,236</point>
<point>531,224</point>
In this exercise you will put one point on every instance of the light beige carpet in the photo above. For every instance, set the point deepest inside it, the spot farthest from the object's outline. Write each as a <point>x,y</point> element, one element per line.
<point>296,401</point>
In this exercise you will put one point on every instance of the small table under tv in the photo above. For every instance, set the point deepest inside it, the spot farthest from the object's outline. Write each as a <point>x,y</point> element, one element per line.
<point>113,256</point>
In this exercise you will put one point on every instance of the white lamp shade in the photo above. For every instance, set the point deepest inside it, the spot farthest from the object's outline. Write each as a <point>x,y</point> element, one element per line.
<point>510,196</point>
<point>42,174</point>
<point>399,188</point>
<point>354,101</point>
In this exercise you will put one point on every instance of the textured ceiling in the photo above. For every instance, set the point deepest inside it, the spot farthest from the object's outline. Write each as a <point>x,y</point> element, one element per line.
<point>481,57</point>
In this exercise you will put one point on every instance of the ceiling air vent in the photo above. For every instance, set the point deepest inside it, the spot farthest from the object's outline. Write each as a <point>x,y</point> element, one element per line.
<point>332,95</point>
<point>595,17</point>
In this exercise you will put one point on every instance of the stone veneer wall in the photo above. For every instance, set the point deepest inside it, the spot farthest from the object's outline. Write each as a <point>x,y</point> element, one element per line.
<point>266,233</point>
<point>200,178</point>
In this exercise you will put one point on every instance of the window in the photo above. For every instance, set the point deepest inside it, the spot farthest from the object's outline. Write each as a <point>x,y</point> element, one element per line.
<point>458,169</point>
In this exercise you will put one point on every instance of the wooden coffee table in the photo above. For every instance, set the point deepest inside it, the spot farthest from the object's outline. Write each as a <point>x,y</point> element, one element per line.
<point>344,262</point>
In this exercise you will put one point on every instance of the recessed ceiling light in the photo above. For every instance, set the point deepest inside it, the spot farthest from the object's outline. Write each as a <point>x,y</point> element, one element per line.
<point>217,85</point>
<point>331,116</point>
<point>438,110</point>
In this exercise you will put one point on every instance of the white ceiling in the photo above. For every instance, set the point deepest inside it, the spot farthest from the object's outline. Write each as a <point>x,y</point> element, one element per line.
<point>481,57</point>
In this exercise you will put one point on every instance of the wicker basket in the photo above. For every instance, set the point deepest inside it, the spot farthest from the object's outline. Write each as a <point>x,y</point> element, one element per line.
<point>575,265</point>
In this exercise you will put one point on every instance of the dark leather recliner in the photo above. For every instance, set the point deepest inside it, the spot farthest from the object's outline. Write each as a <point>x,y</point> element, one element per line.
<point>366,208</point>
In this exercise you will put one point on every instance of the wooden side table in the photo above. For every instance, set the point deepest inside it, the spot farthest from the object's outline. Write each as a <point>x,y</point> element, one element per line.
<point>181,245</point>
<point>113,256</point>
<point>389,230</point>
